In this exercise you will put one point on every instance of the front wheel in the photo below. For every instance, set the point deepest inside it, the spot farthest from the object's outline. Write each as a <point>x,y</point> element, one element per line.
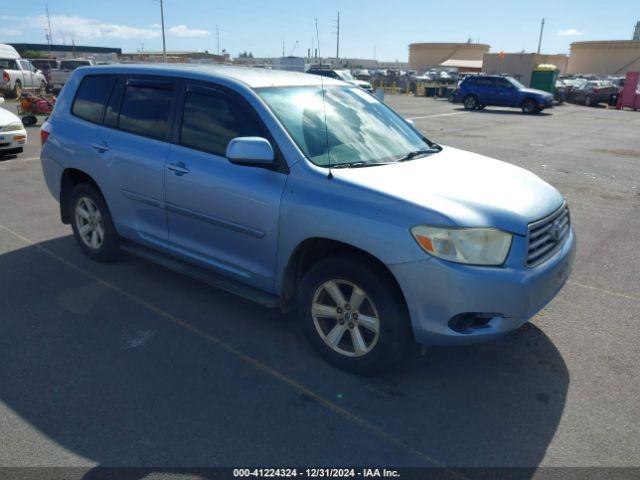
<point>353,315</point>
<point>530,106</point>
<point>92,224</point>
<point>588,101</point>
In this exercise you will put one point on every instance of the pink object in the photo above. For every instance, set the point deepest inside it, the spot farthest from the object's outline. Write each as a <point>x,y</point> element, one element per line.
<point>630,97</point>
<point>43,106</point>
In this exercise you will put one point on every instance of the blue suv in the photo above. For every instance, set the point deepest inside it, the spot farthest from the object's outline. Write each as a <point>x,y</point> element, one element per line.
<point>478,92</point>
<point>301,191</point>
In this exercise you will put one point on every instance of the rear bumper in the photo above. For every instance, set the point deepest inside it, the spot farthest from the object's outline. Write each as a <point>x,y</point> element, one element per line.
<point>438,291</point>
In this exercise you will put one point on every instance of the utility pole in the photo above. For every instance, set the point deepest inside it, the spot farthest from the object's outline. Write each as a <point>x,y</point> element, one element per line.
<point>164,43</point>
<point>540,40</point>
<point>218,38</point>
<point>338,37</point>
<point>49,37</point>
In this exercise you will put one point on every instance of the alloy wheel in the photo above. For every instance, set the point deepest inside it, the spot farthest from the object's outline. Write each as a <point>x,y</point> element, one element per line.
<point>345,318</point>
<point>90,224</point>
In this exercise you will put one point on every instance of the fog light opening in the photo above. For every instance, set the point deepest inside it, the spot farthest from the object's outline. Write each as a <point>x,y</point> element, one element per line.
<point>470,321</point>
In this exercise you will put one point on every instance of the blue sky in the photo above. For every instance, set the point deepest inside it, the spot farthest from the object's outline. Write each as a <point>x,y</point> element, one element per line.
<point>383,27</point>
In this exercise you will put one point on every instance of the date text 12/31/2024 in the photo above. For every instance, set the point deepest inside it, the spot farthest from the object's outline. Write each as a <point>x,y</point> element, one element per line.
<point>315,473</point>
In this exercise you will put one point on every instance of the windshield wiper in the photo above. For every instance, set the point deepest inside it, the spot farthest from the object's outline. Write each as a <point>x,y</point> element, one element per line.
<point>418,153</point>
<point>360,164</point>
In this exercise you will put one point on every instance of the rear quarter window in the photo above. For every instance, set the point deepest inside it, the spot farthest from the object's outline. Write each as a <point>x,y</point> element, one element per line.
<point>91,97</point>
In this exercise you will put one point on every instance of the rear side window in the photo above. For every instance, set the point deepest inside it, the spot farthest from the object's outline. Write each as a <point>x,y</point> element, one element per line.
<point>211,120</point>
<point>470,81</point>
<point>146,107</point>
<point>484,82</point>
<point>91,97</point>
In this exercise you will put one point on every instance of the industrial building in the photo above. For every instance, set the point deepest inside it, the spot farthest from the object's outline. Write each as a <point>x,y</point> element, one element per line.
<point>520,65</point>
<point>175,57</point>
<point>106,54</point>
<point>423,56</point>
<point>612,57</point>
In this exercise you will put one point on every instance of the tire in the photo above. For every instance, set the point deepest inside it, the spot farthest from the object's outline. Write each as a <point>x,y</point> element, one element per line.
<point>17,89</point>
<point>530,106</point>
<point>588,101</point>
<point>105,248</point>
<point>29,120</point>
<point>470,102</point>
<point>384,339</point>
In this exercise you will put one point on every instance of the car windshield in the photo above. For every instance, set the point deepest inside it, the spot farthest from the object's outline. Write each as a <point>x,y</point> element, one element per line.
<point>344,75</point>
<point>515,83</point>
<point>359,129</point>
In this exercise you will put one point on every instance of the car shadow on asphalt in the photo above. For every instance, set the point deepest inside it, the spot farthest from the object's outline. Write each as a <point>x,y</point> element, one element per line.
<point>5,157</point>
<point>498,111</point>
<point>115,380</point>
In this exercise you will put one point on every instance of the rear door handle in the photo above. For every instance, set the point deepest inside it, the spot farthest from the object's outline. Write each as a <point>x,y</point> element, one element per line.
<point>178,168</point>
<point>101,147</point>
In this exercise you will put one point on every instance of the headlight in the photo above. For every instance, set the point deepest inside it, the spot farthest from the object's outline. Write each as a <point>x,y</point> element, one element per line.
<point>12,127</point>
<point>476,246</point>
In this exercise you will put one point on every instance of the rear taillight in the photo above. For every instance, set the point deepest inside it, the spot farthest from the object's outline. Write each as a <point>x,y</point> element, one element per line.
<point>5,76</point>
<point>44,132</point>
<point>596,90</point>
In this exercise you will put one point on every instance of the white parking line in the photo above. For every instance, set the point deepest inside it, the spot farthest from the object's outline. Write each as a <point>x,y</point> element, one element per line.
<point>604,291</point>
<point>438,115</point>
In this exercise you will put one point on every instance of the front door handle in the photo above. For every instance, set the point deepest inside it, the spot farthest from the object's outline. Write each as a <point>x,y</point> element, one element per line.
<point>101,147</point>
<point>178,168</point>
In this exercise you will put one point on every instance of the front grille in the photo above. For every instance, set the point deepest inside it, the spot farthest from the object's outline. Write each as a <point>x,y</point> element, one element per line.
<point>546,235</point>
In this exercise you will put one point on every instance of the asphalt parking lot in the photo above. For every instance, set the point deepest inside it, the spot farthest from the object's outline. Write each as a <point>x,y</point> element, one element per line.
<point>131,364</point>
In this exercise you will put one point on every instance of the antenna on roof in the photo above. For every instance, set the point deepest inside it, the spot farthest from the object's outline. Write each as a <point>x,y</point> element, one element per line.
<point>324,109</point>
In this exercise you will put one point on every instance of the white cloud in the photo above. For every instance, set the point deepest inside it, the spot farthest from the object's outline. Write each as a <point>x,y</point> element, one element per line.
<point>70,27</point>
<point>184,31</point>
<point>9,32</point>
<point>569,32</point>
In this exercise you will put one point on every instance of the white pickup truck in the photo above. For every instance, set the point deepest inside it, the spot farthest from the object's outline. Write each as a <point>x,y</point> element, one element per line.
<point>17,74</point>
<point>59,76</point>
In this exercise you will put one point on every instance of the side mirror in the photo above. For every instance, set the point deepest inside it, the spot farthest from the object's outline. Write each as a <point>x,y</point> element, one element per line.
<point>250,151</point>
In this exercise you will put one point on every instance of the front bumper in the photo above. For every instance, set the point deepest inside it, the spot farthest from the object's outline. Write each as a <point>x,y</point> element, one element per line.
<point>12,140</point>
<point>437,291</point>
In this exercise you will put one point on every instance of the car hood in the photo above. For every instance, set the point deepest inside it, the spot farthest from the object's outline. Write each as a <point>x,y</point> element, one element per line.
<point>535,91</point>
<point>7,117</point>
<point>470,190</point>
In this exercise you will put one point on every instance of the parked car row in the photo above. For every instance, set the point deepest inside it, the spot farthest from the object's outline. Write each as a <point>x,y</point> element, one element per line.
<point>590,92</point>
<point>38,74</point>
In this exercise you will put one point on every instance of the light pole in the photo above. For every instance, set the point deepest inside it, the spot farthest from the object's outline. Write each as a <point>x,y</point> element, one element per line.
<point>164,44</point>
<point>541,30</point>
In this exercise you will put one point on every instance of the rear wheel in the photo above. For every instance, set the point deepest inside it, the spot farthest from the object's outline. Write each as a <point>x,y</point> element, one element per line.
<point>529,105</point>
<point>588,101</point>
<point>470,102</point>
<point>353,315</point>
<point>92,224</point>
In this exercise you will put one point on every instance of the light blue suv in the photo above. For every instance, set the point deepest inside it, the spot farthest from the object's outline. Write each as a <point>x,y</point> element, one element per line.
<point>298,191</point>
